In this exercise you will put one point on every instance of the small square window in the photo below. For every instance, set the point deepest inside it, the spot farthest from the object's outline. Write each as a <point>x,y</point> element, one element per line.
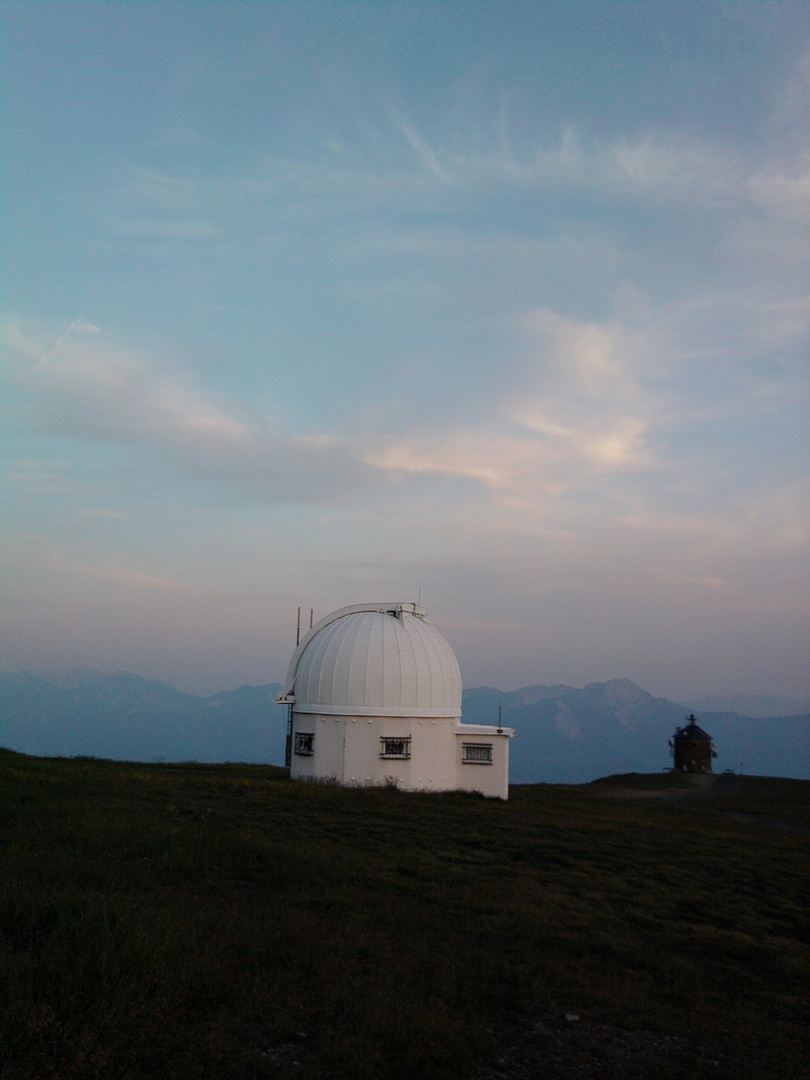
<point>476,753</point>
<point>304,742</point>
<point>395,748</point>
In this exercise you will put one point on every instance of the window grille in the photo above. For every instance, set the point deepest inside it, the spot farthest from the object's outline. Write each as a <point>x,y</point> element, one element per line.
<point>476,753</point>
<point>395,748</point>
<point>304,742</point>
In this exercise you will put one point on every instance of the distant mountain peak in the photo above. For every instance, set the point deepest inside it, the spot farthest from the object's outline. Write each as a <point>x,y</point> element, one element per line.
<point>130,676</point>
<point>77,677</point>
<point>620,685</point>
<point>626,690</point>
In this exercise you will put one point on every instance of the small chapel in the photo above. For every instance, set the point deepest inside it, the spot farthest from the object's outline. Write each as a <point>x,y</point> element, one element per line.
<point>692,748</point>
<point>374,698</point>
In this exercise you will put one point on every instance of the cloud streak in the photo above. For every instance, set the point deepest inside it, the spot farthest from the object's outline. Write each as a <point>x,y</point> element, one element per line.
<point>100,393</point>
<point>583,409</point>
<point>583,417</point>
<point>667,168</point>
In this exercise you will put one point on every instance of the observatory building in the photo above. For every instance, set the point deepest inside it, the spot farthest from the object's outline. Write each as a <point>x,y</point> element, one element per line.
<point>374,694</point>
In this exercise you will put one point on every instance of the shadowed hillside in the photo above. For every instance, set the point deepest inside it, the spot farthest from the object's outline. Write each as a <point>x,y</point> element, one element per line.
<point>191,921</point>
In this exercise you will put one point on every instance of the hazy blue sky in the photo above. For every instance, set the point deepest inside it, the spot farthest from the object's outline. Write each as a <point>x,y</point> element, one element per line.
<point>319,303</point>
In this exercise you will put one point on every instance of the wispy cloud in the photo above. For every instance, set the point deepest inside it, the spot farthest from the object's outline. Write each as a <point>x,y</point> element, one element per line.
<point>94,390</point>
<point>579,412</point>
<point>585,407</point>
<point>125,576</point>
<point>402,168</point>
<point>783,187</point>
<point>425,153</point>
<point>580,415</point>
<point>48,561</point>
<point>97,392</point>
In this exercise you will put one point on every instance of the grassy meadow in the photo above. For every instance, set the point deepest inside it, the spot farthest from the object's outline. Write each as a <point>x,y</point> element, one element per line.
<point>221,921</point>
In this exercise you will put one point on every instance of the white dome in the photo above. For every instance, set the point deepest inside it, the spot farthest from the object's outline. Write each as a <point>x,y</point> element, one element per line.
<point>375,659</point>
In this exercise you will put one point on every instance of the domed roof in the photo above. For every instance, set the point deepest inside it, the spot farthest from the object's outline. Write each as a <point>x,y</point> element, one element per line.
<point>375,660</point>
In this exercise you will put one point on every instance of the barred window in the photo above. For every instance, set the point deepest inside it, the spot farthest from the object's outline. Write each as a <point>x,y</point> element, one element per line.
<point>476,753</point>
<point>395,748</point>
<point>304,741</point>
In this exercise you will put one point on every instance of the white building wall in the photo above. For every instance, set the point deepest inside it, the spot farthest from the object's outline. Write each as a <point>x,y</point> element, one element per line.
<point>491,780</point>
<point>326,761</point>
<point>433,754</point>
<point>347,750</point>
<point>363,762</point>
<point>431,766</point>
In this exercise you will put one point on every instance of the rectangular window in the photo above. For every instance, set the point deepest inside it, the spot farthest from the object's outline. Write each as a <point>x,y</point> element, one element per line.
<point>476,753</point>
<point>304,743</point>
<point>395,748</point>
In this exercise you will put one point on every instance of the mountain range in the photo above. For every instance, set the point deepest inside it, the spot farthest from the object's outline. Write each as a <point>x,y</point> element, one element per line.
<point>568,735</point>
<point>563,734</point>
<point>129,718</point>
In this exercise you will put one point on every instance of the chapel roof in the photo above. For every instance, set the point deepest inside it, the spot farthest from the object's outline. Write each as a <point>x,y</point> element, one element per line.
<point>691,731</point>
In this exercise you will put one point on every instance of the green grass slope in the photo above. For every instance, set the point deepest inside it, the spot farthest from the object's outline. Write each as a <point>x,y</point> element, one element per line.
<point>221,921</point>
